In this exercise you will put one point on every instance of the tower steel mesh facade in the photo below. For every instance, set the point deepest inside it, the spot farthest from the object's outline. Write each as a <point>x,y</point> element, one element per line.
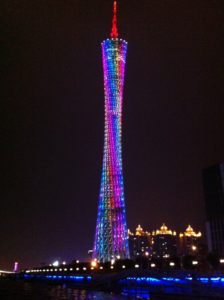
<point>111,237</point>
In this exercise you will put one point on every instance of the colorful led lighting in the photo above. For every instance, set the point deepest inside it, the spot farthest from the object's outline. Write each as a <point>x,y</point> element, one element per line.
<point>111,237</point>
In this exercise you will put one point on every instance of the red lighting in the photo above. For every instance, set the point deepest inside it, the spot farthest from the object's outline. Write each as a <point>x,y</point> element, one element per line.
<point>114,32</point>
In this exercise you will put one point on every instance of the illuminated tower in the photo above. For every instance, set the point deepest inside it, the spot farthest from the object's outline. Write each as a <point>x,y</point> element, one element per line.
<point>111,237</point>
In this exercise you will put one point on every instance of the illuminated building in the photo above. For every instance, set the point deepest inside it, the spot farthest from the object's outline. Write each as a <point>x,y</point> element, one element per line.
<point>139,243</point>
<point>213,183</point>
<point>189,241</point>
<point>111,237</point>
<point>164,243</point>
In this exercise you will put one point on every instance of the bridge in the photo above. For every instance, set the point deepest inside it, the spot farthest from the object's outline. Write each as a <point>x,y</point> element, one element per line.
<point>2,272</point>
<point>138,282</point>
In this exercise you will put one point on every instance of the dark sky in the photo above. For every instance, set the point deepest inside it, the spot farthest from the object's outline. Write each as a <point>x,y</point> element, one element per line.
<point>53,118</point>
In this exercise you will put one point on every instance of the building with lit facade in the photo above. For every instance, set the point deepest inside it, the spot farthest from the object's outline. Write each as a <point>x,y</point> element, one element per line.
<point>213,184</point>
<point>164,243</point>
<point>111,236</point>
<point>139,243</point>
<point>189,242</point>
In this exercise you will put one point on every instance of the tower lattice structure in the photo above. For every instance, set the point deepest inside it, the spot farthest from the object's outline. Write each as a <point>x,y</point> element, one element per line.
<point>111,237</point>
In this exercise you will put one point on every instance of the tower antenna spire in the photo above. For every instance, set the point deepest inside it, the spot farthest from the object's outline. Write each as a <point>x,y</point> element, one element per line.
<point>114,32</point>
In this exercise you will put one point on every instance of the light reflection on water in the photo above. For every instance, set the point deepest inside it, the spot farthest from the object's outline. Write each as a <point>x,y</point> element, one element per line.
<point>25,290</point>
<point>70,293</point>
<point>19,290</point>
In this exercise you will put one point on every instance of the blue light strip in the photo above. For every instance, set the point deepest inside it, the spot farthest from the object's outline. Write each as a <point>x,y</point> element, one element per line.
<point>59,277</point>
<point>203,280</point>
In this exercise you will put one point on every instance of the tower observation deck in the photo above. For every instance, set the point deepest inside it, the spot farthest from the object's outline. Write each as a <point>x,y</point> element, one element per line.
<point>111,237</point>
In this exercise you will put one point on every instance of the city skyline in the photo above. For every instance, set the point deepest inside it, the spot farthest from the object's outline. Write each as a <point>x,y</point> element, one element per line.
<point>53,115</point>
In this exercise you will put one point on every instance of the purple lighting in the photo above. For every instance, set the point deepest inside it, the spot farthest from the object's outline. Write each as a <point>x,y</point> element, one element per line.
<point>111,239</point>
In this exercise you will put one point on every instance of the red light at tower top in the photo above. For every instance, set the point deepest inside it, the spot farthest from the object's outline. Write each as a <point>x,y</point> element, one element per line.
<point>114,32</point>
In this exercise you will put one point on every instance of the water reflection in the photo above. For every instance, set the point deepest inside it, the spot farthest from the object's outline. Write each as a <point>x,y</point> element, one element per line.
<point>136,293</point>
<point>24,290</point>
<point>20,290</point>
<point>69,293</point>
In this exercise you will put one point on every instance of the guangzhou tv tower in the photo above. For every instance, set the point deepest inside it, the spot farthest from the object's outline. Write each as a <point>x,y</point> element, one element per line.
<point>111,237</point>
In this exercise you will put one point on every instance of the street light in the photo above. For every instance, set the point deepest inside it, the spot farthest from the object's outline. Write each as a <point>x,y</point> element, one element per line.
<point>93,263</point>
<point>153,265</point>
<point>55,263</point>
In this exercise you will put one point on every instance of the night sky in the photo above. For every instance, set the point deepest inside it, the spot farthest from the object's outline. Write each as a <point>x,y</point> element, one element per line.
<point>52,107</point>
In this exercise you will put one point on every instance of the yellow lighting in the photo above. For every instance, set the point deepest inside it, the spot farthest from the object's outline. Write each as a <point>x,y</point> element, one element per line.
<point>189,232</point>
<point>164,230</point>
<point>139,231</point>
<point>94,263</point>
<point>130,233</point>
